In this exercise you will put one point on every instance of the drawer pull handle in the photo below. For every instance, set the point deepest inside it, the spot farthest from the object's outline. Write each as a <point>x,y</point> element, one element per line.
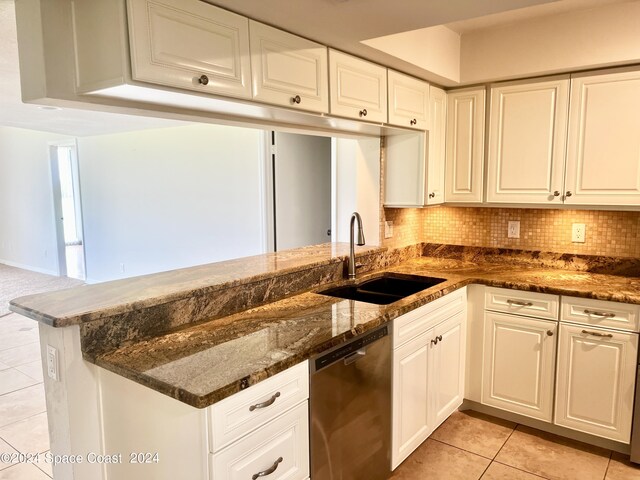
<point>518,303</point>
<point>266,403</point>
<point>597,334</point>
<point>268,471</point>
<point>599,314</point>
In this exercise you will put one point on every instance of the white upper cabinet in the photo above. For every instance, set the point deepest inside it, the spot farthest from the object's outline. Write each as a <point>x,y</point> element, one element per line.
<point>527,132</point>
<point>288,70</point>
<point>437,142</point>
<point>405,170</point>
<point>465,146</point>
<point>189,44</point>
<point>408,101</point>
<point>358,89</point>
<point>603,157</point>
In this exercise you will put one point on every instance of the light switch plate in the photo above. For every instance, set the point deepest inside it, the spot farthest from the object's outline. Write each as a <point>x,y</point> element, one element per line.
<point>52,363</point>
<point>513,229</point>
<point>578,233</point>
<point>388,229</point>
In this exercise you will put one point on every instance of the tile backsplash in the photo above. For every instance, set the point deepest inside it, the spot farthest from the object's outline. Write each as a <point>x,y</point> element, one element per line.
<point>607,232</point>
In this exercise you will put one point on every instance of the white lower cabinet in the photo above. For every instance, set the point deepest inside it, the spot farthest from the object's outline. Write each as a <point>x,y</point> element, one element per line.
<point>596,381</point>
<point>519,361</point>
<point>428,374</point>
<point>279,450</point>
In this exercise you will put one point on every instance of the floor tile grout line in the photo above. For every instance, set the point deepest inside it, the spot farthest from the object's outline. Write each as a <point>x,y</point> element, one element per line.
<point>505,442</point>
<point>608,464</point>
<point>461,448</point>
<point>23,388</point>
<point>21,420</point>
<point>520,470</point>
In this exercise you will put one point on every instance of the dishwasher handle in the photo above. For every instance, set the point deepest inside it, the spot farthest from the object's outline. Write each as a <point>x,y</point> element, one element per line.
<point>355,356</point>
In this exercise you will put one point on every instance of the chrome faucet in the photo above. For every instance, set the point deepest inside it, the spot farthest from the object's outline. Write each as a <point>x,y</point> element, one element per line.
<point>352,254</point>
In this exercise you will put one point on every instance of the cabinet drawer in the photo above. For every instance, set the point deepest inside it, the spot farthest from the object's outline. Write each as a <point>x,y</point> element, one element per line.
<point>241,413</point>
<point>529,304</point>
<point>586,311</point>
<point>412,324</point>
<point>281,445</point>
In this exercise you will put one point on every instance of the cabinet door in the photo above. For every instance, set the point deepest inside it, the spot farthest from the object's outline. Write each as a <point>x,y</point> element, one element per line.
<point>288,70</point>
<point>447,368</point>
<point>519,361</point>
<point>527,132</point>
<point>596,381</point>
<point>603,156</point>
<point>437,141</point>
<point>180,42</point>
<point>358,88</point>
<point>408,101</point>
<point>465,146</point>
<point>410,397</point>
<point>405,170</point>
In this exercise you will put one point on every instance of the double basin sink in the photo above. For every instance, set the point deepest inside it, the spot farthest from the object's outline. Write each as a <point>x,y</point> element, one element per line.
<point>388,288</point>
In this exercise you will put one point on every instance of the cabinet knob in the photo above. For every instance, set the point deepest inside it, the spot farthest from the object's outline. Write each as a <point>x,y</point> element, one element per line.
<point>363,112</point>
<point>556,193</point>
<point>203,80</point>
<point>568,194</point>
<point>434,341</point>
<point>550,333</point>
<point>296,99</point>
<point>432,195</point>
<point>413,121</point>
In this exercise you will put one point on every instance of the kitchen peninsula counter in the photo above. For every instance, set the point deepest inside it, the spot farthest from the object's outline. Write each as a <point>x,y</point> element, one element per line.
<point>204,362</point>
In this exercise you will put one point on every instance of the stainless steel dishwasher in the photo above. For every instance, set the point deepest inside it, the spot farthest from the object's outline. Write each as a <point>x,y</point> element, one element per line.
<point>350,403</point>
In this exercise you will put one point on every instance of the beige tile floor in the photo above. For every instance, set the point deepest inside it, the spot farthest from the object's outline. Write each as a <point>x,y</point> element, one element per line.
<point>472,446</point>
<point>23,416</point>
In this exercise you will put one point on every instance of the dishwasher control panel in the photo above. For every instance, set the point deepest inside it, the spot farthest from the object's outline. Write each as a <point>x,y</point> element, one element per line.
<point>350,347</point>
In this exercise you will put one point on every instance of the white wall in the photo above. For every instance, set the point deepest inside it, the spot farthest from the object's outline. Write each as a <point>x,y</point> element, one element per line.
<point>162,199</point>
<point>27,223</point>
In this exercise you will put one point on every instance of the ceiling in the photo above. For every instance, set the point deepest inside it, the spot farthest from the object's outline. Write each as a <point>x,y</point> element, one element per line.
<point>341,24</point>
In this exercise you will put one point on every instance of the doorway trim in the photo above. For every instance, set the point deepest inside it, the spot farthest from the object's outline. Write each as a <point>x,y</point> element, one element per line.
<point>57,203</point>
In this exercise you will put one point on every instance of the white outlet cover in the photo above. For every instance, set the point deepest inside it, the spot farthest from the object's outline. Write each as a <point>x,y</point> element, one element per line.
<point>578,233</point>
<point>52,363</point>
<point>513,229</point>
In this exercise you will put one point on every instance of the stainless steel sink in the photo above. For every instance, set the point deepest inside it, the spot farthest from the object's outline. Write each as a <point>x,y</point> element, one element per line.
<point>388,288</point>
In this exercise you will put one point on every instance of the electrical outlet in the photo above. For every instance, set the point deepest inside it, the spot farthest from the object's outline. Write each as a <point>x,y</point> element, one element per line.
<point>388,229</point>
<point>52,363</point>
<point>513,229</point>
<point>578,233</point>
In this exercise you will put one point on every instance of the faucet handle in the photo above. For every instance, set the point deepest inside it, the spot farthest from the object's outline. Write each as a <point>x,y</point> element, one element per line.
<point>358,265</point>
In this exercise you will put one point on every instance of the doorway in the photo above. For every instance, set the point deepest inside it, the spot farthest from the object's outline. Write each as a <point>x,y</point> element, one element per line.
<point>68,211</point>
<point>301,192</point>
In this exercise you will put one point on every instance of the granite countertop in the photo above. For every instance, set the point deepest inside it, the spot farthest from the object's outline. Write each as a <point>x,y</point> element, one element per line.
<point>206,362</point>
<point>67,307</point>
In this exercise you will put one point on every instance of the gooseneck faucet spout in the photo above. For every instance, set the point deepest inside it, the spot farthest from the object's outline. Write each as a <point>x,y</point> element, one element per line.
<point>352,254</point>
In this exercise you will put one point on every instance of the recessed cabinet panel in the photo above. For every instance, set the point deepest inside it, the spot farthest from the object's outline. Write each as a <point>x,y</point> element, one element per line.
<point>358,89</point>
<point>288,70</point>
<point>408,101</point>
<point>596,381</point>
<point>189,44</point>
<point>437,142</point>
<point>527,131</point>
<point>519,361</point>
<point>448,367</point>
<point>465,146</point>
<point>410,397</point>
<point>603,158</point>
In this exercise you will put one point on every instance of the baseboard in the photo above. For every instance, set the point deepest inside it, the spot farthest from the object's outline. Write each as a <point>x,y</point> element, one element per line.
<point>547,427</point>
<point>29,267</point>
